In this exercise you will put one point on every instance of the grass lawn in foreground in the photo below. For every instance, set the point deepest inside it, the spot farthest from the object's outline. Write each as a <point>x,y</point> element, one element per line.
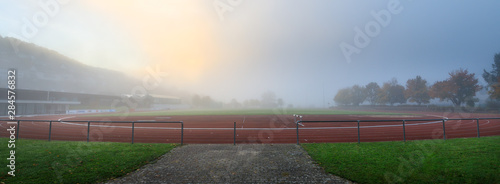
<point>39,161</point>
<point>194,112</point>
<point>466,160</point>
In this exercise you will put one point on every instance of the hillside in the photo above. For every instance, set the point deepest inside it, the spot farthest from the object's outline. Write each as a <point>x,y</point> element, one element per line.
<point>39,68</point>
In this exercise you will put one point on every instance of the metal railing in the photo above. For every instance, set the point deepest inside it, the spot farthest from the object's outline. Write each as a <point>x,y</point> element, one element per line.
<point>298,121</point>
<point>88,126</point>
<point>392,120</point>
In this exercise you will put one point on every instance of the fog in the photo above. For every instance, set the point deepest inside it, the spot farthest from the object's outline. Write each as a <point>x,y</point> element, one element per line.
<point>303,51</point>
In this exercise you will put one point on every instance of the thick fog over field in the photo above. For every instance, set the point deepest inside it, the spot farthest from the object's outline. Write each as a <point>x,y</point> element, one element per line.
<point>302,51</point>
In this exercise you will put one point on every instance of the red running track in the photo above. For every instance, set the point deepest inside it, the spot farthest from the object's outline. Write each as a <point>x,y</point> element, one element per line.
<point>255,128</point>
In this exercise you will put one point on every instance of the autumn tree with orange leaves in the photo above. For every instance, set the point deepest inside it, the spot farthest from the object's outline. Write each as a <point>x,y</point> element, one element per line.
<point>391,92</point>
<point>417,91</point>
<point>459,88</point>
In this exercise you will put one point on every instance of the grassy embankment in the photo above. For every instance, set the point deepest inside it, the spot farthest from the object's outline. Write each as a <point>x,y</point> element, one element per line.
<point>468,160</point>
<point>38,161</point>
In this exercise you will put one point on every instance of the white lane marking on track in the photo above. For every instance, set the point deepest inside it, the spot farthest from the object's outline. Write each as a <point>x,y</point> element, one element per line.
<point>66,118</point>
<point>309,128</point>
<point>442,117</point>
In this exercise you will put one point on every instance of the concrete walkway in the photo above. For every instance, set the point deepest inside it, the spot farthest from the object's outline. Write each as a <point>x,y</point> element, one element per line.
<point>246,163</point>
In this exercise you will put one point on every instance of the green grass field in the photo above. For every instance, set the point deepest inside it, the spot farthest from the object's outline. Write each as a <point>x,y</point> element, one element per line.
<point>195,112</point>
<point>470,160</point>
<point>39,161</point>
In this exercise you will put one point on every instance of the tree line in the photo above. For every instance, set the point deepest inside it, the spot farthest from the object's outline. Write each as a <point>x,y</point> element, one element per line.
<point>268,100</point>
<point>460,88</point>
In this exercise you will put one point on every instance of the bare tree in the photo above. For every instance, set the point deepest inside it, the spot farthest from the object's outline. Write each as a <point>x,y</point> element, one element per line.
<point>372,92</point>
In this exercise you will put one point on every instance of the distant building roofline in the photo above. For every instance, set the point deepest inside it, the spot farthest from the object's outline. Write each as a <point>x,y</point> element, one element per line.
<point>163,96</point>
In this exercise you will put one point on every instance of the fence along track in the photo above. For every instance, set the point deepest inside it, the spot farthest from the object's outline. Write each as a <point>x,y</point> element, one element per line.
<point>403,124</point>
<point>89,125</point>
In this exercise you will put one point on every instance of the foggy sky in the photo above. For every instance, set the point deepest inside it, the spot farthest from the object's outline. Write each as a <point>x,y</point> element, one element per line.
<point>291,47</point>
